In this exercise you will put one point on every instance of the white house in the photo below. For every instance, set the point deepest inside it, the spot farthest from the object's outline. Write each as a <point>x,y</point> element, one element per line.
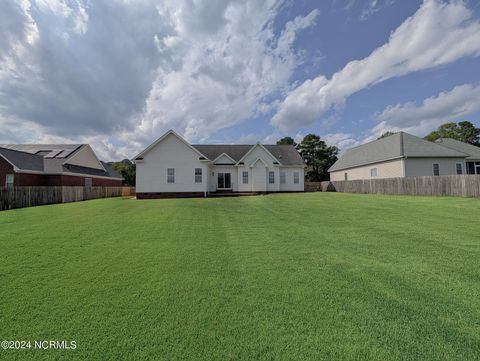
<point>405,155</point>
<point>172,167</point>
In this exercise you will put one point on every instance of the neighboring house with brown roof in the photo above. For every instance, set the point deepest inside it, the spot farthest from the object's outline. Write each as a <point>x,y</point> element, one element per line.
<point>401,155</point>
<point>54,165</point>
<point>172,167</point>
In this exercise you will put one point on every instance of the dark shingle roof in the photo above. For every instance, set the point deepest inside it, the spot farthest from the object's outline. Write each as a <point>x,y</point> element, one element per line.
<point>111,172</point>
<point>212,151</point>
<point>29,161</point>
<point>58,166</point>
<point>472,151</point>
<point>46,150</point>
<point>286,154</point>
<point>71,168</point>
<point>398,145</point>
<point>23,160</point>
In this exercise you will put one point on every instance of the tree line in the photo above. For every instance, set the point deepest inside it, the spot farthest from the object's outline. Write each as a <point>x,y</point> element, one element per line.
<point>317,154</point>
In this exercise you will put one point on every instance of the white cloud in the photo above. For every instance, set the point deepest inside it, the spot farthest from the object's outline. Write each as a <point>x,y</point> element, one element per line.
<point>73,13</point>
<point>455,105</point>
<point>341,140</point>
<point>438,33</point>
<point>374,6</point>
<point>222,65</point>
<point>126,71</point>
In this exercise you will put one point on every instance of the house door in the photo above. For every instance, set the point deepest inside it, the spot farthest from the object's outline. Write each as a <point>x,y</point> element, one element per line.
<point>224,181</point>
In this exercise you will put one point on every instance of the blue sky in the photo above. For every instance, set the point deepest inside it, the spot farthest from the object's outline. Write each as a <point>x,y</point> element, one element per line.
<point>118,74</point>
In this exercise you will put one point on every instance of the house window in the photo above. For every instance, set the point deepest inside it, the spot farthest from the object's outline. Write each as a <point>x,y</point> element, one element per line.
<point>271,177</point>
<point>346,176</point>
<point>198,175</point>
<point>296,178</point>
<point>88,182</point>
<point>374,172</point>
<point>459,168</point>
<point>170,175</point>
<point>436,169</point>
<point>245,177</point>
<point>282,178</point>
<point>9,181</point>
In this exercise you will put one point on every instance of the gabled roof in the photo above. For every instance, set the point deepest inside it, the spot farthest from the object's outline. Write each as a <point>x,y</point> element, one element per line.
<point>170,132</point>
<point>226,156</point>
<point>57,151</point>
<point>22,160</point>
<point>256,161</point>
<point>418,148</point>
<point>287,155</point>
<point>56,166</point>
<point>398,145</point>
<point>111,172</point>
<point>265,149</point>
<point>212,151</point>
<point>470,149</point>
<point>39,158</point>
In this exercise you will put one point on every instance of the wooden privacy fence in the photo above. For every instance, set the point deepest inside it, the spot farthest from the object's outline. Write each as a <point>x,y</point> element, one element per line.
<point>312,186</point>
<point>451,185</point>
<point>20,197</point>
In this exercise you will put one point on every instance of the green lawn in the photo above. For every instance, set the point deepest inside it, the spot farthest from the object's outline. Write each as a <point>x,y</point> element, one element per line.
<point>319,276</point>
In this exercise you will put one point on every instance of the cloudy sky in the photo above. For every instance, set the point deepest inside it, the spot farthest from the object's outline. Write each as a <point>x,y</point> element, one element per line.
<point>119,73</point>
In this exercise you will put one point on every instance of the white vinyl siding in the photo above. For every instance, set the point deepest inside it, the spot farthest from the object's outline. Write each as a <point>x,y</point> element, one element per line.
<point>173,153</point>
<point>198,175</point>
<point>170,165</point>
<point>170,175</point>
<point>289,185</point>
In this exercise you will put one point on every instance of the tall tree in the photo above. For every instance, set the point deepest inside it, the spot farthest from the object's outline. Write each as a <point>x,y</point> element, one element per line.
<point>127,169</point>
<point>287,141</point>
<point>318,156</point>
<point>464,131</point>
